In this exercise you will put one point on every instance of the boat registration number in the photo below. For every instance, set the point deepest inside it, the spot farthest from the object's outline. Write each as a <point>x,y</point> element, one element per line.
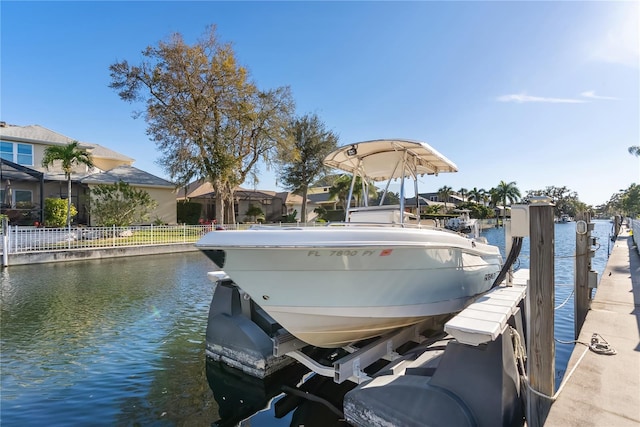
<point>351,253</point>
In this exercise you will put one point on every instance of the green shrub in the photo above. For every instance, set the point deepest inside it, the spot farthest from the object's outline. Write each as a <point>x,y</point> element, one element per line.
<point>120,204</point>
<point>55,212</point>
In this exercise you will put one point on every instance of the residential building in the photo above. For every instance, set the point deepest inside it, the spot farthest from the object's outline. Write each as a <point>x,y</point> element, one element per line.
<point>276,206</point>
<point>25,183</point>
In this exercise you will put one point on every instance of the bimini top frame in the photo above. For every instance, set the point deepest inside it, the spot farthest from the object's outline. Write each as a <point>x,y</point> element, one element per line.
<point>387,159</point>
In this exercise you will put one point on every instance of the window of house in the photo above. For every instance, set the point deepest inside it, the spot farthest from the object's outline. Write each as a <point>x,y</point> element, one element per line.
<point>17,196</point>
<point>22,196</point>
<point>21,154</point>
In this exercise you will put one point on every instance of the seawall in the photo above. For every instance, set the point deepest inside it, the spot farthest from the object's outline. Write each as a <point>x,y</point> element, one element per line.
<point>85,254</point>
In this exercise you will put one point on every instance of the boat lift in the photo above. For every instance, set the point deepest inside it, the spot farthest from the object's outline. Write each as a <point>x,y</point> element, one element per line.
<point>235,321</point>
<point>393,387</point>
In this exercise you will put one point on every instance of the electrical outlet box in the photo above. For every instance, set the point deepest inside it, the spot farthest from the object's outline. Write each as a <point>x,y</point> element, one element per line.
<point>519,220</point>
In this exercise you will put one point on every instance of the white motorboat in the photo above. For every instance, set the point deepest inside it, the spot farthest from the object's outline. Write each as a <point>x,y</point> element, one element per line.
<point>377,271</point>
<point>463,223</point>
<point>564,218</point>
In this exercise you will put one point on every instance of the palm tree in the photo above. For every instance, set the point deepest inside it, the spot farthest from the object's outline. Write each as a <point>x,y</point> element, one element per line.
<point>340,190</point>
<point>635,150</point>
<point>507,191</point>
<point>463,192</point>
<point>476,195</point>
<point>69,155</point>
<point>444,193</point>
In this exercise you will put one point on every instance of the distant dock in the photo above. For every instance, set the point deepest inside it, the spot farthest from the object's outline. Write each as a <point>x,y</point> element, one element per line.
<point>604,390</point>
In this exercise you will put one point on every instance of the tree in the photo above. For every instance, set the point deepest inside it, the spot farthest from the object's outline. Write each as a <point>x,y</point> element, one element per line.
<point>634,150</point>
<point>254,212</point>
<point>340,190</point>
<point>506,191</point>
<point>444,193</point>
<point>69,156</point>
<point>303,163</point>
<point>477,195</point>
<point>477,210</point>
<point>463,192</point>
<point>565,200</point>
<point>390,198</point>
<point>630,201</point>
<point>120,204</point>
<point>208,120</point>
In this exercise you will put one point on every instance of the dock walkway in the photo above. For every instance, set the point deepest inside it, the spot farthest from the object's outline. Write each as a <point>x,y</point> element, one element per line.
<point>604,390</point>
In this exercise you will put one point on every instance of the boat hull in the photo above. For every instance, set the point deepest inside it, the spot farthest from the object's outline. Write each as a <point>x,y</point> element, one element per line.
<point>330,288</point>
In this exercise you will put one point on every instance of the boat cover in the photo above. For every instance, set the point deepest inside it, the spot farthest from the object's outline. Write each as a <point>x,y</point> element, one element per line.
<point>375,160</point>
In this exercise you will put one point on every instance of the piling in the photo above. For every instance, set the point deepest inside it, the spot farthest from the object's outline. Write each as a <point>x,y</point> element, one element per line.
<point>5,242</point>
<point>541,346</point>
<point>582,302</point>
<point>617,221</point>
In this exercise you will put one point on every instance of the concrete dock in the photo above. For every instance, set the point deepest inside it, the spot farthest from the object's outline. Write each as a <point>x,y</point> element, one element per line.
<point>604,390</point>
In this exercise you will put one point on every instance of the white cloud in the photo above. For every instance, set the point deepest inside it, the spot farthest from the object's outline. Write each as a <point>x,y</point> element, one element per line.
<point>521,98</point>
<point>592,95</point>
<point>620,44</point>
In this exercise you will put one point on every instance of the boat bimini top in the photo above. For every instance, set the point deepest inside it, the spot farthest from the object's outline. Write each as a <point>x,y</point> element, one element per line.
<point>386,160</point>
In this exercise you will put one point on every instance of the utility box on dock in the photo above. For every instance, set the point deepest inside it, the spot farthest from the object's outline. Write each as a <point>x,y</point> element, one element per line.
<point>519,220</point>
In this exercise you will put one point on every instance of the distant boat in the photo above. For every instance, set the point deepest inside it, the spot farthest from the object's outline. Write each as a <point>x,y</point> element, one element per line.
<point>464,223</point>
<point>564,218</point>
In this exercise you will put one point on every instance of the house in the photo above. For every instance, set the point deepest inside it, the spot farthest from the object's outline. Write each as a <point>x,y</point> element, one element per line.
<point>276,206</point>
<point>25,184</point>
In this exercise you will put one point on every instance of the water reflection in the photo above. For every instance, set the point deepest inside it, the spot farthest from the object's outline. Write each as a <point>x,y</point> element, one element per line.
<point>240,397</point>
<point>106,342</point>
<point>121,342</point>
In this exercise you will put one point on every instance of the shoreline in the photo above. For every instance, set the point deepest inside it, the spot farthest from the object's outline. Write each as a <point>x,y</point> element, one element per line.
<point>89,254</point>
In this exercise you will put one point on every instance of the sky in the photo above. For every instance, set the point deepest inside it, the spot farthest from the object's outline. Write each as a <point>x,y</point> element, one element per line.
<point>536,93</point>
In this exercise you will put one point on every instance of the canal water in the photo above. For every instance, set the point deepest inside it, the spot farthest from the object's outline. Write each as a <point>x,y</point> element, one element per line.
<point>121,341</point>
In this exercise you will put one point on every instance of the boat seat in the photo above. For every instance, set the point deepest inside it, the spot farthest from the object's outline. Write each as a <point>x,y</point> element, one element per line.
<point>385,214</point>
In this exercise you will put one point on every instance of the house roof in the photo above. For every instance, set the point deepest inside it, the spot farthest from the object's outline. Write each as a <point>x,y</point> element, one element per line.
<point>97,150</point>
<point>203,188</point>
<point>33,133</point>
<point>290,198</point>
<point>39,134</point>
<point>129,174</point>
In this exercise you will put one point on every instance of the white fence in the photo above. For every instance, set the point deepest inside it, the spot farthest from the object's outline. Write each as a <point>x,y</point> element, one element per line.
<point>23,239</point>
<point>31,239</point>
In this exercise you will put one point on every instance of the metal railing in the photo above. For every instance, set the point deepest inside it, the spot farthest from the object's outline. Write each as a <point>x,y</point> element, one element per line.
<point>27,239</point>
<point>22,239</point>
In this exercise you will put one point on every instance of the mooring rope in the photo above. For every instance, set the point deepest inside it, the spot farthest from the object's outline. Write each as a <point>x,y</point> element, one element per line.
<point>597,345</point>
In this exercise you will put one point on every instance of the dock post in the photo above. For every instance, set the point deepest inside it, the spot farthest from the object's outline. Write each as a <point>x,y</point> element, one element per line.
<point>584,226</point>
<point>541,346</point>
<point>5,242</point>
